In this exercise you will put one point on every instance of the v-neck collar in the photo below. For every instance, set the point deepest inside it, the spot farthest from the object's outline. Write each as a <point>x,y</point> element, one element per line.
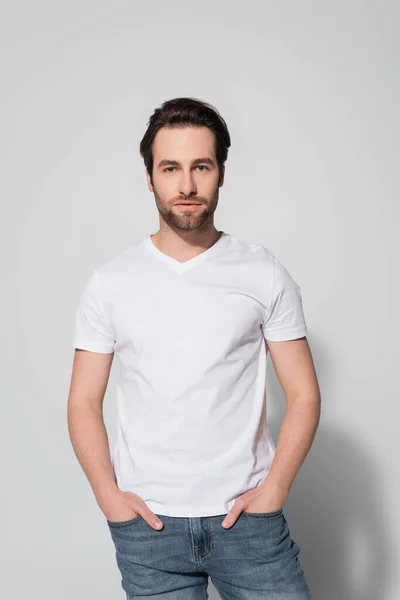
<point>187,264</point>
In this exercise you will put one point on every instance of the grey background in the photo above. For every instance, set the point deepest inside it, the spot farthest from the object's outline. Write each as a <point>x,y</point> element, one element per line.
<point>310,92</point>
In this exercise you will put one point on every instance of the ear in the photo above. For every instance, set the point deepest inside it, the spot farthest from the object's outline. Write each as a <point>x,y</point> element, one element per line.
<point>221,179</point>
<point>149,181</point>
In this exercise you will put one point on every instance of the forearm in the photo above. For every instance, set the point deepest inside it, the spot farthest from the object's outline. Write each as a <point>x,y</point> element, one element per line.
<point>89,439</point>
<point>295,438</point>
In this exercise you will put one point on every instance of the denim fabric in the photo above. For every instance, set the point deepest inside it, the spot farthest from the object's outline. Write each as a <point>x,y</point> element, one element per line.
<point>255,559</point>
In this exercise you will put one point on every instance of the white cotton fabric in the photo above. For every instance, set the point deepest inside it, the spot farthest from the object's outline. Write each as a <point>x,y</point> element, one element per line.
<point>192,432</point>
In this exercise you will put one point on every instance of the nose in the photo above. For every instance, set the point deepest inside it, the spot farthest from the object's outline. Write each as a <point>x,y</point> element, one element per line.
<point>187,184</point>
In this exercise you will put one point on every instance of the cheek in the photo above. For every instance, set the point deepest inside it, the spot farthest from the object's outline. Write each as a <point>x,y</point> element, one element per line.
<point>212,188</point>
<point>165,190</point>
<point>207,183</point>
<point>168,187</point>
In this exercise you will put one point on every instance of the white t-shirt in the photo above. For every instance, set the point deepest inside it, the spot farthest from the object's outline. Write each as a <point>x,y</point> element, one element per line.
<point>192,432</point>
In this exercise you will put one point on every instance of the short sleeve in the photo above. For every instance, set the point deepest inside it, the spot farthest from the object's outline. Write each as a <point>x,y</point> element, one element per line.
<point>284,319</point>
<point>91,329</point>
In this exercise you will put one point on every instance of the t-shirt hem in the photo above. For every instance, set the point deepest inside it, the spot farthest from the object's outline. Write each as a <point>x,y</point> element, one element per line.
<point>287,334</point>
<point>189,511</point>
<point>92,346</point>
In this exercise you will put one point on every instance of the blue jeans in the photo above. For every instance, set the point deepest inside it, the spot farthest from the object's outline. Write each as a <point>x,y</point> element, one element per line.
<point>254,559</point>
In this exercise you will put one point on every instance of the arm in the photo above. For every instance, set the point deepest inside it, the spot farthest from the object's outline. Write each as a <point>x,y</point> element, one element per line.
<point>94,343</point>
<point>285,334</point>
<point>294,367</point>
<point>90,374</point>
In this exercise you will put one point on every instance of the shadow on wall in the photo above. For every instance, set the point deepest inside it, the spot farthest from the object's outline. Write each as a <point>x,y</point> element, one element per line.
<point>336,514</point>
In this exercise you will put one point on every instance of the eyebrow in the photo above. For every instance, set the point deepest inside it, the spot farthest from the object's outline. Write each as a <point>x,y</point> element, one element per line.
<point>196,161</point>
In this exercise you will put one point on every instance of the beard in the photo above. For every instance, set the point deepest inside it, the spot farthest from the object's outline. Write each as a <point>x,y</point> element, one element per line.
<point>188,220</point>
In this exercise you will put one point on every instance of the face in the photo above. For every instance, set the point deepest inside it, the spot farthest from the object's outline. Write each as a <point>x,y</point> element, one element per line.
<point>185,170</point>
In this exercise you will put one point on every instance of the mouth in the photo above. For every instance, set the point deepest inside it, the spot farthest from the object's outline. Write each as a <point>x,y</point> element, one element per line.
<point>189,205</point>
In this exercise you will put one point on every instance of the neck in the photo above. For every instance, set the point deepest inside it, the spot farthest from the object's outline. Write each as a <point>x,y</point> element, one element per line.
<point>184,245</point>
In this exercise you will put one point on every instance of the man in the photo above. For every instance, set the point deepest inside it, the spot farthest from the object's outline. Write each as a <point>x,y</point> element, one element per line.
<point>195,486</point>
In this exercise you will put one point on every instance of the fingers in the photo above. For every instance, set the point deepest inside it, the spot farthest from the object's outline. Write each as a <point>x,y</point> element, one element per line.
<point>150,517</point>
<point>233,514</point>
<point>141,508</point>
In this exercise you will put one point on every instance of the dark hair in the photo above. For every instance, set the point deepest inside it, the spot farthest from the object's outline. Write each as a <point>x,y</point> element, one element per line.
<point>184,112</point>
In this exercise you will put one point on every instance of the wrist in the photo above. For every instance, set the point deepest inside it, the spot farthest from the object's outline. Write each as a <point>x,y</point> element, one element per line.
<point>105,498</point>
<point>275,488</point>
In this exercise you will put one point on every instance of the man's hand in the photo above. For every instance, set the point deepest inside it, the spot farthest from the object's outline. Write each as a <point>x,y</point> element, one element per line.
<point>123,506</point>
<point>261,499</point>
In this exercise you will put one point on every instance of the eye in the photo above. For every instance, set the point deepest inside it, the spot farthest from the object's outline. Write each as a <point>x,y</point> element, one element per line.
<point>167,169</point>
<point>203,167</point>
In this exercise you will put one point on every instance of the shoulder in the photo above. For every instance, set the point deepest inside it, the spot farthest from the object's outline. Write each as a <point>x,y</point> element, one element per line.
<point>279,270</point>
<point>266,262</point>
<point>255,253</point>
<point>119,262</point>
<point>118,266</point>
<point>106,279</point>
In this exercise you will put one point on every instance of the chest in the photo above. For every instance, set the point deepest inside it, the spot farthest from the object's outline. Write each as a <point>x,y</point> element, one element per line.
<point>176,317</point>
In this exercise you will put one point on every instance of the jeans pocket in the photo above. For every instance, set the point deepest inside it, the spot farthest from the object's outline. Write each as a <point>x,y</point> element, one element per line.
<point>124,523</point>
<point>265,515</point>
